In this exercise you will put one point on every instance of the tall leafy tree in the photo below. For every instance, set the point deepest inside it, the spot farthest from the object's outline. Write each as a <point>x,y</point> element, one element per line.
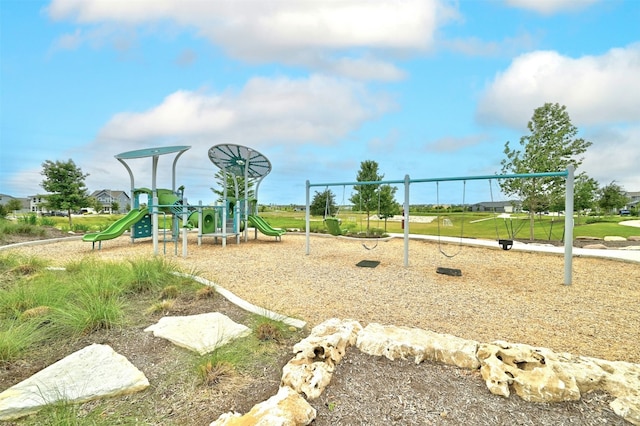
<point>365,198</point>
<point>388,206</point>
<point>551,146</point>
<point>585,192</point>
<point>227,180</point>
<point>64,181</point>
<point>323,204</point>
<point>612,197</point>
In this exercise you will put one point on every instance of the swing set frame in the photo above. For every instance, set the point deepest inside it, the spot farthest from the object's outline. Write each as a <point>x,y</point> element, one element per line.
<point>334,228</point>
<point>568,174</point>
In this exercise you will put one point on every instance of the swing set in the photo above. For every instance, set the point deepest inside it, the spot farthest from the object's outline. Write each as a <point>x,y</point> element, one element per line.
<point>333,223</point>
<point>506,244</point>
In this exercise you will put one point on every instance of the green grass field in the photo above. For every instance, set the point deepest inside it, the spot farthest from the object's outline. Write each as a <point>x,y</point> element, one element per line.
<point>467,225</point>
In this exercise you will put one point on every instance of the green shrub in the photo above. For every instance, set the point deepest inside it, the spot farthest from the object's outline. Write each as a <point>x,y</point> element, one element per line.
<point>28,219</point>
<point>17,337</point>
<point>47,221</point>
<point>93,309</point>
<point>81,227</point>
<point>150,274</point>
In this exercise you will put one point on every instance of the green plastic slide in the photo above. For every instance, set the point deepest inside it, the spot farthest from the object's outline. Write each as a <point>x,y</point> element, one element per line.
<point>262,226</point>
<point>118,227</point>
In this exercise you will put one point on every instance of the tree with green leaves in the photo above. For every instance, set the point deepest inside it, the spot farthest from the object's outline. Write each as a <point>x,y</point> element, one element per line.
<point>12,205</point>
<point>388,207</point>
<point>612,197</point>
<point>323,204</point>
<point>64,181</point>
<point>551,146</point>
<point>229,181</point>
<point>366,197</point>
<point>585,190</point>
<point>115,207</point>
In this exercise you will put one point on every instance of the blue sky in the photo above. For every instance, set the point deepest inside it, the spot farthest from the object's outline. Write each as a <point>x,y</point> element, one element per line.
<point>429,88</point>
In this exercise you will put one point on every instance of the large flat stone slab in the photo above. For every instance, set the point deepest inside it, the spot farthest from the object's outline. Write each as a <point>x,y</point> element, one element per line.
<point>201,333</point>
<point>90,373</point>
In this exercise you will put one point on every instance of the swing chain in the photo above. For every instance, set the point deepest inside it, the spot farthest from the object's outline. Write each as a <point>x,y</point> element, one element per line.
<point>464,191</point>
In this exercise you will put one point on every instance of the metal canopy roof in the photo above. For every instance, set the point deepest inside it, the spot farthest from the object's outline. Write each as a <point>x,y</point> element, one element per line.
<point>240,160</point>
<point>151,152</point>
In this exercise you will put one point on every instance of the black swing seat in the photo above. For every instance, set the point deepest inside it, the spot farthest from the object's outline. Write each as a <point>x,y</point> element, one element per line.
<point>506,244</point>
<point>449,271</point>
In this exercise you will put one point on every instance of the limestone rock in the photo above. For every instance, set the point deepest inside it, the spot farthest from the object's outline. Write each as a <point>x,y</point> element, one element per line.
<point>630,248</point>
<point>286,408</point>
<point>307,376</point>
<point>628,408</point>
<point>595,246</point>
<point>201,333</point>
<point>541,375</point>
<point>634,238</point>
<point>329,340</point>
<point>403,342</point>
<point>311,369</point>
<point>93,372</point>
<point>533,373</point>
<point>614,238</point>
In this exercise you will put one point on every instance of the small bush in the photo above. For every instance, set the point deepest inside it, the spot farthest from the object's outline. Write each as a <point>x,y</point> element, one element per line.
<point>211,372</point>
<point>206,293</point>
<point>163,306</point>
<point>150,274</point>
<point>88,316</point>
<point>267,331</point>
<point>169,292</point>
<point>47,221</point>
<point>81,227</point>
<point>28,219</point>
<point>16,338</point>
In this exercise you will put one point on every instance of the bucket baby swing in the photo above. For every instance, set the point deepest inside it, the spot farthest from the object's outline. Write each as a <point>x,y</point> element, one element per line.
<point>333,223</point>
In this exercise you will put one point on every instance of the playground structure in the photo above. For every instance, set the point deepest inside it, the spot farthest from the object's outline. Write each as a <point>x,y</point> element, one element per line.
<point>568,174</point>
<point>227,218</point>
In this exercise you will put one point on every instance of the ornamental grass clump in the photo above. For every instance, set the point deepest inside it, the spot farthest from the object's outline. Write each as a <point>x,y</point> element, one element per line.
<point>150,274</point>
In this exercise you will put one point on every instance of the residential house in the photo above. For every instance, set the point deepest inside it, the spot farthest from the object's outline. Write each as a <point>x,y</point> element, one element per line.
<point>106,197</point>
<point>635,199</point>
<point>38,203</point>
<point>497,206</point>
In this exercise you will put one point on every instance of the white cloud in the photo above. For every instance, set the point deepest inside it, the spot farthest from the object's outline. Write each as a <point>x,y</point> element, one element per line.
<point>318,109</point>
<point>283,30</point>
<point>614,156</point>
<point>274,115</point>
<point>595,89</point>
<point>548,7</point>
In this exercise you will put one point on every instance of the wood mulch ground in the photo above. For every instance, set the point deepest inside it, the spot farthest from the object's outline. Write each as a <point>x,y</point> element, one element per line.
<point>501,295</point>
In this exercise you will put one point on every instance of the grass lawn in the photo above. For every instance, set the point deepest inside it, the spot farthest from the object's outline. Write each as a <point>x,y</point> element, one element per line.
<point>467,225</point>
